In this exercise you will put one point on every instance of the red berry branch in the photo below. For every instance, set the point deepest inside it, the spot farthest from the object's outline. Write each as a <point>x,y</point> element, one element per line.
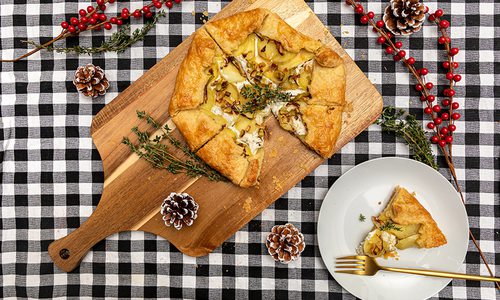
<point>94,18</point>
<point>443,116</point>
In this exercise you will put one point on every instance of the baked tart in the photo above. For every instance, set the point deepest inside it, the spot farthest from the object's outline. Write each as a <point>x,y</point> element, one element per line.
<point>245,68</point>
<point>403,224</point>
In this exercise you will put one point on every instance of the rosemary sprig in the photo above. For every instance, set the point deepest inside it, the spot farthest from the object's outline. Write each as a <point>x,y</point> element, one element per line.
<point>388,226</point>
<point>361,218</point>
<point>406,126</point>
<point>118,42</point>
<point>160,156</point>
<point>259,97</point>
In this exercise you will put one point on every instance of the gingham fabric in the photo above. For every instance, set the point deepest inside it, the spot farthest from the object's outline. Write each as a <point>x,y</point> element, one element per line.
<point>52,176</point>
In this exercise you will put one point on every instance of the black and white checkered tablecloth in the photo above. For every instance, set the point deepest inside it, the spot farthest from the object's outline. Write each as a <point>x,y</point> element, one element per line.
<point>52,176</point>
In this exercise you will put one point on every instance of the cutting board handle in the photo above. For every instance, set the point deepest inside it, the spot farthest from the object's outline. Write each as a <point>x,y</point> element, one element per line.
<point>68,251</point>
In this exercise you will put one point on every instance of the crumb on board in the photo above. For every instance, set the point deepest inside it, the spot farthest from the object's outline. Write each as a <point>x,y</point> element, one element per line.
<point>277,184</point>
<point>273,153</point>
<point>281,138</point>
<point>247,206</point>
<point>193,13</point>
<point>303,167</point>
<point>295,151</point>
<point>205,13</point>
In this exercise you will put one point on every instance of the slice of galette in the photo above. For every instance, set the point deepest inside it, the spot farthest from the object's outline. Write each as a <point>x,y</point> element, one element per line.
<point>404,223</point>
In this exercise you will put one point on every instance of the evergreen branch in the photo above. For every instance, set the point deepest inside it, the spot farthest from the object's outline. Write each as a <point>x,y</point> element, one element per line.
<point>406,126</point>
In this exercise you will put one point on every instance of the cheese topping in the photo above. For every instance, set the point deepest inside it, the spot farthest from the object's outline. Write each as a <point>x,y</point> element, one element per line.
<point>390,240</point>
<point>295,92</point>
<point>252,140</point>
<point>216,110</point>
<point>298,126</point>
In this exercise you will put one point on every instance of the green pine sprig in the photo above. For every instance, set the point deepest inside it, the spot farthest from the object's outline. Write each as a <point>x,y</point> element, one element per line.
<point>406,126</point>
<point>118,42</point>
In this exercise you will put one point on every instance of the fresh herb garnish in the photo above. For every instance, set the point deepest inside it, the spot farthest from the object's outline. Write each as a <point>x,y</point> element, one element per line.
<point>259,97</point>
<point>118,42</point>
<point>361,218</point>
<point>406,126</point>
<point>388,226</point>
<point>159,155</point>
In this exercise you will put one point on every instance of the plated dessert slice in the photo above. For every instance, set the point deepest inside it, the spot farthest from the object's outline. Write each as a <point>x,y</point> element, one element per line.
<point>242,69</point>
<point>403,224</point>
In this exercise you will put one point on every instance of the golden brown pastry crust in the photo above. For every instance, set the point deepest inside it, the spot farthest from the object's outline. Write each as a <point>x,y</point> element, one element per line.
<point>189,91</point>
<point>197,127</point>
<point>226,156</point>
<point>405,209</point>
<point>323,125</point>
<point>328,85</point>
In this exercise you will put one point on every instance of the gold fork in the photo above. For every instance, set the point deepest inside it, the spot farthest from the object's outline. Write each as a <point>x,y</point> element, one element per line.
<point>365,265</point>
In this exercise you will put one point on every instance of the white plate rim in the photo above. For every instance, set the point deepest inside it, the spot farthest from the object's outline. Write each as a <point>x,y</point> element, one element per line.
<point>340,180</point>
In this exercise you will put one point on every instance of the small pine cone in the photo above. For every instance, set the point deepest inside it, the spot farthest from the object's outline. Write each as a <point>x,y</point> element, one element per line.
<point>91,81</point>
<point>179,209</point>
<point>285,243</point>
<point>404,17</point>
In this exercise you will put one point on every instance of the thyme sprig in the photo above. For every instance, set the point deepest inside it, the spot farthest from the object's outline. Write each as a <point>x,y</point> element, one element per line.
<point>388,226</point>
<point>406,126</point>
<point>158,154</point>
<point>259,97</point>
<point>118,42</point>
<point>361,218</point>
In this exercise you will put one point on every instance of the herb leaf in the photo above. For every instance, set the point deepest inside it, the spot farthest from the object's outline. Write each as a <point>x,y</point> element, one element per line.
<point>361,218</point>
<point>406,126</point>
<point>259,97</point>
<point>389,225</point>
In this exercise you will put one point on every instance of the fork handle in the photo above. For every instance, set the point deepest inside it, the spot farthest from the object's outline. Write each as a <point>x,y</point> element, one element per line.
<point>442,274</point>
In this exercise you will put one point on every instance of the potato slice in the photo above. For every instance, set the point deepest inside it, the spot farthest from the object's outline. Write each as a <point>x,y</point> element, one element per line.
<point>232,74</point>
<point>404,230</point>
<point>408,242</point>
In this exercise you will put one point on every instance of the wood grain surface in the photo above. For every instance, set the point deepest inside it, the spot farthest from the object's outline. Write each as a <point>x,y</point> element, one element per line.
<point>133,190</point>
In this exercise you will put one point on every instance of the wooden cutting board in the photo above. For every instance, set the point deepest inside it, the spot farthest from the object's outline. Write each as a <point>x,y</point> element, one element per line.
<point>134,191</point>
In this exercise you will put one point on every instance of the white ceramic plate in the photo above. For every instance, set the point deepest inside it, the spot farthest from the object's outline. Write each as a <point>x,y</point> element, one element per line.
<point>366,189</point>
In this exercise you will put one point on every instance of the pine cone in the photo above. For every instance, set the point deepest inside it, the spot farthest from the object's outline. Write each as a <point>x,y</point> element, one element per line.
<point>285,243</point>
<point>91,81</point>
<point>179,209</point>
<point>404,17</point>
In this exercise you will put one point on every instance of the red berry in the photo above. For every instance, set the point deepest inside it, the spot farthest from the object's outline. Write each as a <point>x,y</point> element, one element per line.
<point>148,15</point>
<point>389,35</point>
<point>455,65</point>
<point>99,2</point>
<point>71,29</point>
<point>455,105</point>
<point>381,40</point>
<point>380,24</point>
<point>95,16</point>
<point>439,13</point>
<point>449,139</point>
<point>82,12</point>
<point>432,18</point>
<point>444,24</point>
<point>90,9</point>
<point>436,108</point>
<point>102,17</point>
<point>158,4</point>
<point>445,102</point>
<point>424,71</point>
<point>84,20</point>
<point>429,85</point>
<point>451,93</point>
<point>454,51</point>
<point>389,50</point>
<point>452,127</point>
<point>92,21</point>
<point>442,143</point>
<point>111,1</point>
<point>444,130</point>
<point>74,21</point>
<point>455,116</point>
<point>113,20</point>
<point>119,22</point>
<point>178,1</point>
<point>146,9</point>
<point>446,64</point>
<point>125,10</point>
<point>457,78</point>
<point>423,98</point>
<point>364,19</point>
<point>102,7</point>
<point>64,25</point>
<point>445,116</point>
<point>419,87</point>
<point>398,45</point>
<point>431,125</point>
<point>410,60</point>
<point>98,28</point>
<point>107,26</point>
<point>402,53</point>
<point>431,98</point>
<point>137,14</point>
<point>449,76</point>
<point>428,110</point>
<point>434,139</point>
<point>169,4</point>
<point>397,58</point>
<point>442,40</point>
<point>374,29</point>
<point>371,14</point>
<point>426,9</point>
<point>125,15</point>
<point>359,9</point>
<point>82,27</point>
<point>438,121</point>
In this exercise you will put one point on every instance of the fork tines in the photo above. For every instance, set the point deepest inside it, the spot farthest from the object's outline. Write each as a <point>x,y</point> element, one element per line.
<point>356,264</point>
